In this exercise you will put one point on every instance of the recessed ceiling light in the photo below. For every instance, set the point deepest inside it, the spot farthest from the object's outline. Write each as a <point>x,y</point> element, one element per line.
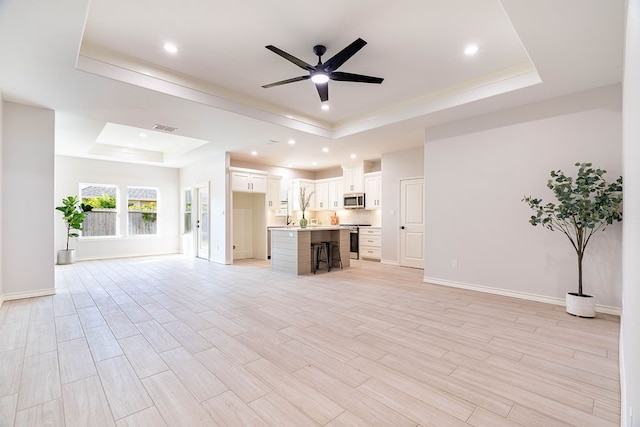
<point>254,153</point>
<point>170,47</point>
<point>353,156</point>
<point>292,141</point>
<point>314,164</point>
<point>325,107</point>
<point>325,150</point>
<point>142,135</point>
<point>471,49</point>
<point>289,165</point>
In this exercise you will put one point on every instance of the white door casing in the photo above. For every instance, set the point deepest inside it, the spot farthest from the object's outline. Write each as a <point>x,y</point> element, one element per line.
<point>412,222</point>
<point>202,221</point>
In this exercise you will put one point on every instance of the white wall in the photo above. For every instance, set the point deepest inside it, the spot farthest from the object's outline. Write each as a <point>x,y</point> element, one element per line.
<point>396,166</point>
<point>214,171</point>
<point>629,343</point>
<point>27,200</point>
<point>474,184</point>
<point>71,171</point>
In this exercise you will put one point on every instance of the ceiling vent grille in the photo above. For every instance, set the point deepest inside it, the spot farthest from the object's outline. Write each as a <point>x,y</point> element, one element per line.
<point>164,128</point>
<point>272,141</point>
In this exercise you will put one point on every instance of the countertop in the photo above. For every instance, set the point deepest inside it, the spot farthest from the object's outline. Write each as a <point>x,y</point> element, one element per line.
<point>309,228</point>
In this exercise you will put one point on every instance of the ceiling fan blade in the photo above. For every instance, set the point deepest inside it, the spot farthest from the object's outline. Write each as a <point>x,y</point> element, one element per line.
<point>341,57</point>
<point>284,82</point>
<point>299,62</point>
<point>323,91</point>
<point>349,77</point>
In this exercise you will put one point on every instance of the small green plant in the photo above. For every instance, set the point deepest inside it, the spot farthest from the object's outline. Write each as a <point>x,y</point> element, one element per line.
<point>586,205</point>
<point>74,214</point>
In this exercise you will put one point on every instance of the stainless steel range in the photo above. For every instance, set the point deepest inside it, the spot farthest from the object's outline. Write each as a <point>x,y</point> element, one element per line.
<point>354,229</point>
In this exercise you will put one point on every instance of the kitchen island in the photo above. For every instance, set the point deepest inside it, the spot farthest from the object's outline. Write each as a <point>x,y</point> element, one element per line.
<point>291,246</point>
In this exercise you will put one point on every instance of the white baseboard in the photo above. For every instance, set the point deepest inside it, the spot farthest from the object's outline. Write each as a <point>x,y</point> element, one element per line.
<point>30,294</point>
<point>389,262</point>
<point>1,300</point>
<point>515,294</point>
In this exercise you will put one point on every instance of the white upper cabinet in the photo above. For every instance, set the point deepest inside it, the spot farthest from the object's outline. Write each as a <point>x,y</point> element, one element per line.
<point>353,178</point>
<point>336,193</point>
<point>273,193</point>
<point>372,190</point>
<point>248,182</point>
<point>322,195</point>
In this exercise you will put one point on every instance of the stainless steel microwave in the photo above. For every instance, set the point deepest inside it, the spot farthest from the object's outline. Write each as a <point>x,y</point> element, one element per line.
<point>354,201</point>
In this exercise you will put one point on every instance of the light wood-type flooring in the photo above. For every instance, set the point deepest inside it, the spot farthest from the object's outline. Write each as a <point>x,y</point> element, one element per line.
<point>174,341</point>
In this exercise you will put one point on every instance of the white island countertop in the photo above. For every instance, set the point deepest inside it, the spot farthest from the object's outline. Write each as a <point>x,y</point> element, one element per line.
<point>308,228</point>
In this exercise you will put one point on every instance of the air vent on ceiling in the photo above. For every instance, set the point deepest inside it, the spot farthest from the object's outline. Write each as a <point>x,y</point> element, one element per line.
<point>164,128</point>
<point>272,141</point>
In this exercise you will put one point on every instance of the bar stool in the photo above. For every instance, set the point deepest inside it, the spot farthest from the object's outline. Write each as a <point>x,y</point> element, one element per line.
<point>334,252</point>
<point>318,249</point>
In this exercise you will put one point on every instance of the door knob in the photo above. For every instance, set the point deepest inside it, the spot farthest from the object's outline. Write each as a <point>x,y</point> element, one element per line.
<point>402,227</point>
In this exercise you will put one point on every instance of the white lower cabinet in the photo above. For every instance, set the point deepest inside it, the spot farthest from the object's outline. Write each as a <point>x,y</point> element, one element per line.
<point>370,239</point>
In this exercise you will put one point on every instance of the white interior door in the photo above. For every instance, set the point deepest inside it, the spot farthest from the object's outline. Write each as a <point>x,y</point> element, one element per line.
<point>412,222</point>
<point>202,221</point>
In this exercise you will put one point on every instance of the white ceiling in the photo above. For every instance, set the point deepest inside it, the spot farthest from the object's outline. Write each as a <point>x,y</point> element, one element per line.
<point>102,67</point>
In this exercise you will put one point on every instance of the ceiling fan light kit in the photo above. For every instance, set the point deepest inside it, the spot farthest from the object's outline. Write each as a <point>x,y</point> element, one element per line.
<point>323,72</point>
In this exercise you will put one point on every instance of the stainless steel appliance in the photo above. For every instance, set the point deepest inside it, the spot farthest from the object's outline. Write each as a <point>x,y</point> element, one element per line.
<point>354,201</point>
<point>354,241</point>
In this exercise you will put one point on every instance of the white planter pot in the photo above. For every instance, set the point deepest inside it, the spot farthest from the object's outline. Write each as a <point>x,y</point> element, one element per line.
<point>66,256</point>
<point>582,306</point>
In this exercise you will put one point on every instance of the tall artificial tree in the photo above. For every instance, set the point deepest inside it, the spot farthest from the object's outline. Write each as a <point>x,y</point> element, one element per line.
<point>585,205</point>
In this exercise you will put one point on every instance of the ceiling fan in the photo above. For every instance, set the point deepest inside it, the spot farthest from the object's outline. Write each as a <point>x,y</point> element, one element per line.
<point>323,72</point>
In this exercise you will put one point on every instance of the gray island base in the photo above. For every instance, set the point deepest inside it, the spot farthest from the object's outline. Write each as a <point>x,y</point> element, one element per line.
<point>291,247</point>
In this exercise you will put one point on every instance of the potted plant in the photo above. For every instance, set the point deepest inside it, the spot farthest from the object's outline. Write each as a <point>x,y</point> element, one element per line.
<point>73,213</point>
<point>305,199</point>
<point>586,205</point>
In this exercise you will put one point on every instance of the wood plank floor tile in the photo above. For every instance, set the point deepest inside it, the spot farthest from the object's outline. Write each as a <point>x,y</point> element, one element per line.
<point>90,317</point>
<point>120,325</point>
<point>41,338</point>
<point>50,413</point>
<point>144,359</point>
<point>68,328</point>
<point>232,347</point>
<point>198,379</point>
<point>75,360</point>
<point>177,406</point>
<point>85,404</point>
<point>149,417</point>
<point>158,312</point>
<point>11,371</point>
<point>102,343</point>
<point>316,405</point>
<point>123,389</point>
<point>227,409</point>
<point>187,337</point>
<point>278,411</point>
<point>411,407</point>
<point>423,391</point>
<point>483,418</point>
<point>353,400</point>
<point>242,382</point>
<point>8,409</point>
<point>158,337</point>
<point>40,380</point>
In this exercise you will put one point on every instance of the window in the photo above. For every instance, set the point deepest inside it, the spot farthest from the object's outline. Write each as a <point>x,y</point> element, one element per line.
<point>103,219</point>
<point>142,206</point>
<point>188,202</point>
